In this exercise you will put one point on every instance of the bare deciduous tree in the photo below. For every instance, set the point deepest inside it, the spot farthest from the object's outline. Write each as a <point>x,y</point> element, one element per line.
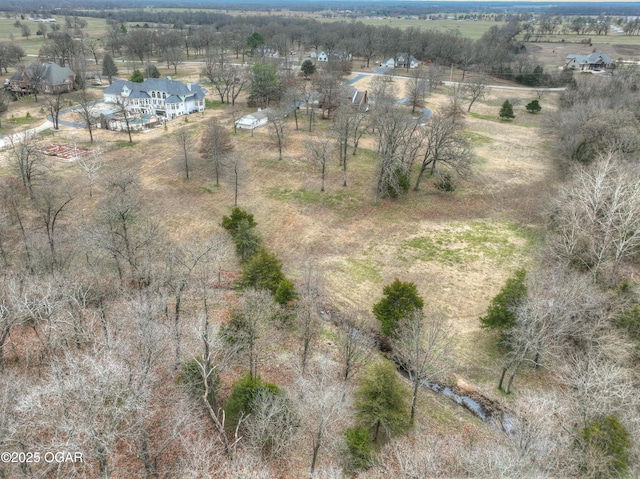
<point>215,146</point>
<point>417,89</point>
<point>422,347</point>
<point>185,145</point>
<point>319,149</point>
<point>597,217</point>
<point>396,135</point>
<point>249,328</point>
<point>476,89</point>
<point>50,204</point>
<point>320,406</point>
<point>53,107</point>
<point>90,165</point>
<point>444,144</point>
<point>27,159</point>
<point>272,423</point>
<point>278,131</point>
<point>354,346</point>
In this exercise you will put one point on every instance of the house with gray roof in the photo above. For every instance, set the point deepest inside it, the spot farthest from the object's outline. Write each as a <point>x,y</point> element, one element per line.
<point>157,96</point>
<point>593,61</point>
<point>42,77</point>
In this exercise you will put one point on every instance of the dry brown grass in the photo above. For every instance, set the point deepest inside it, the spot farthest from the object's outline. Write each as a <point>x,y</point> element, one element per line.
<point>468,241</point>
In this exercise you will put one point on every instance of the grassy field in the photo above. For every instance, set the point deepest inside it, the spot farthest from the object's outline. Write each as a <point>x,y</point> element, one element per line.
<point>96,28</point>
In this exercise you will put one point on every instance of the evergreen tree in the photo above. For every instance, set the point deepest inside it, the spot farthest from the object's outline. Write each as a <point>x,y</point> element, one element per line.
<point>231,223</point>
<point>109,68</point>
<point>265,85</point>
<point>263,271</point>
<point>255,40</point>
<point>380,402</point>
<point>307,68</point>
<point>136,76</point>
<point>506,111</point>
<point>247,241</point>
<point>533,106</point>
<point>501,312</point>
<point>400,299</point>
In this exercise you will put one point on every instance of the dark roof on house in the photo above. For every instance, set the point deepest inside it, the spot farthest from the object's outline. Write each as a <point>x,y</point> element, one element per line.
<point>171,87</point>
<point>53,74</point>
<point>591,59</point>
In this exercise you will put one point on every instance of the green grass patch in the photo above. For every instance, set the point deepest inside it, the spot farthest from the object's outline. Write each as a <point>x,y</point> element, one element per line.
<point>46,133</point>
<point>23,120</point>
<point>214,104</point>
<point>362,270</point>
<point>484,117</point>
<point>476,138</point>
<point>466,243</point>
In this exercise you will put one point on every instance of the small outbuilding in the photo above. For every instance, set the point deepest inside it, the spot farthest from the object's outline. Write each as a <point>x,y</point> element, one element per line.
<point>252,121</point>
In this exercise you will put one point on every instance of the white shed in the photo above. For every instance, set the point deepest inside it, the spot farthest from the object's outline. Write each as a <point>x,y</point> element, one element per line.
<point>252,121</point>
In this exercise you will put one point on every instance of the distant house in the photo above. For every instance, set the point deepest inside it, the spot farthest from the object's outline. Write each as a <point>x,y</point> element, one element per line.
<point>401,60</point>
<point>157,96</point>
<point>42,77</point>
<point>388,63</point>
<point>336,55</point>
<point>593,61</point>
<point>404,60</point>
<point>359,99</point>
<point>252,121</point>
<point>266,51</point>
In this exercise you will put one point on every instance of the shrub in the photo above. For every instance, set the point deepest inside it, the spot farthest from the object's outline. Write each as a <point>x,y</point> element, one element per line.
<point>533,106</point>
<point>285,293</point>
<point>445,182</point>
<point>243,392</point>
<point>607,440</point>
<point>136,76</point>
<point>399,300</point>
<point>358,453</point>
<point>506,111</point>
<point>231,222</point>
<point>191,377</point>
<point>401,184</point>
<point>501,312</point>
<point>630,321</point>
<point>262,271</point>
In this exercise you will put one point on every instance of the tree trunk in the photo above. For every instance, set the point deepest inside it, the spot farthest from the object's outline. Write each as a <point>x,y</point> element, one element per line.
<point>316,448</point>
<point>414,399</point>
<point>504,372</point>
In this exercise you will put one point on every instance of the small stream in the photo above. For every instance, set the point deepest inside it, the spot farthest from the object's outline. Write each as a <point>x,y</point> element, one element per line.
<point>490,413</point>
<point>465,401</point>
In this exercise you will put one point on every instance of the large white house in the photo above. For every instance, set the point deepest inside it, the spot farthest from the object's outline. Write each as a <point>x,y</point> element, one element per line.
<point>157,96</point>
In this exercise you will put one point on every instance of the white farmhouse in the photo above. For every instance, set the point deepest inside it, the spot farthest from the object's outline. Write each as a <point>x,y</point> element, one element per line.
<point>323,56</point>
<point>157,96</point>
